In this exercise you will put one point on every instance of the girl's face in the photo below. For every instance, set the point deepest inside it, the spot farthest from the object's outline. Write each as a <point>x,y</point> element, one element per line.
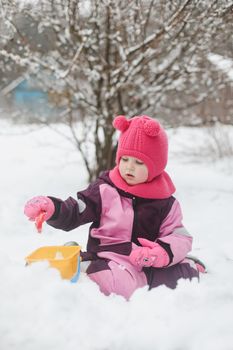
<point>133,170</point>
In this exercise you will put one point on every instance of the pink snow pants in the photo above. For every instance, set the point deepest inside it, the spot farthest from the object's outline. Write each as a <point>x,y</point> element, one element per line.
<point>112,277</point>
<point>124,279</point>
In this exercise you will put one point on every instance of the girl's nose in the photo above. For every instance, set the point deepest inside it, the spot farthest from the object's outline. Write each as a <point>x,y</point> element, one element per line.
<point>130,165</point>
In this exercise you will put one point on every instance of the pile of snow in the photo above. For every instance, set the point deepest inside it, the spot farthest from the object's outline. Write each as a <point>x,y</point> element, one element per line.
<point>39,310</point>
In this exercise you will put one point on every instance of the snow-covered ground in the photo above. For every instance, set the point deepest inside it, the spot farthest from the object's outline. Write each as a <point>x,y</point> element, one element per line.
<point>39,310</point>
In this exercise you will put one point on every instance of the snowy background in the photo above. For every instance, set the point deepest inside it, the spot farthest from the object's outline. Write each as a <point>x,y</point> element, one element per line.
<point>39,310</point>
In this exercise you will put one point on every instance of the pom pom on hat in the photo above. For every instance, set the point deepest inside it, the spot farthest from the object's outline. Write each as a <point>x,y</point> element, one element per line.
<point>121,123</point>
<point>151,128</point>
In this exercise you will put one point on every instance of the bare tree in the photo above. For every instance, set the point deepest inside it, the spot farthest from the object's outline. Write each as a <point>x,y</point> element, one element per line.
<point>109,57</point>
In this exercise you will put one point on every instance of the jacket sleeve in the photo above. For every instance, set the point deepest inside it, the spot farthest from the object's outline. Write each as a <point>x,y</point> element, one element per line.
<point>72,213</point>
<point>173,236</point>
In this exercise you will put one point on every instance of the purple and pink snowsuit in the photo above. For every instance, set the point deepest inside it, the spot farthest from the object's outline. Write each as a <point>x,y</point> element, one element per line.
<point>118,219</point>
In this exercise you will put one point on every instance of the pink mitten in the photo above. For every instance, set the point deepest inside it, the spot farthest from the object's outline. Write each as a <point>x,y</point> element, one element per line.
<point>150,254</point>
<point>37,205</point>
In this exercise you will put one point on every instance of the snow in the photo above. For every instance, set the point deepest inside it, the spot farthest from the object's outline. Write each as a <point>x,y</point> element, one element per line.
<point>39,310</point>
<point>223,64</point>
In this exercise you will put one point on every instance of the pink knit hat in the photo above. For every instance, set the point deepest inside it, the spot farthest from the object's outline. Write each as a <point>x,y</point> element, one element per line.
<point>144,138</point>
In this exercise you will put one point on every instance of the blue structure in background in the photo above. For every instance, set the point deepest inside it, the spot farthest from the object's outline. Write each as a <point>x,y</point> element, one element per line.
<point>32,98</point>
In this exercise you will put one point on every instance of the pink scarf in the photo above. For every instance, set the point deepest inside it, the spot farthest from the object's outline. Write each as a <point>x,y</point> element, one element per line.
<point>160,187</point>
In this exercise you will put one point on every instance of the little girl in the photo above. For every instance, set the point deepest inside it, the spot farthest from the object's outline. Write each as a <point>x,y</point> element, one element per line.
<point>136,237</point>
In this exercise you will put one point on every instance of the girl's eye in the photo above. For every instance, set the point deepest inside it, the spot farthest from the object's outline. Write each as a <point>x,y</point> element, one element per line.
<point>124,159</point>
<point>139,163</point>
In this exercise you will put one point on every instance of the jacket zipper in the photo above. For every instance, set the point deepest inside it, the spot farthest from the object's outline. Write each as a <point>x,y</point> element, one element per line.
<point>135,220</point>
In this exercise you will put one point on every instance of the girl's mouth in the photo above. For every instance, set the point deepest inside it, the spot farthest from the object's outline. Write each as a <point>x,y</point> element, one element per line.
<point>129,175</point>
